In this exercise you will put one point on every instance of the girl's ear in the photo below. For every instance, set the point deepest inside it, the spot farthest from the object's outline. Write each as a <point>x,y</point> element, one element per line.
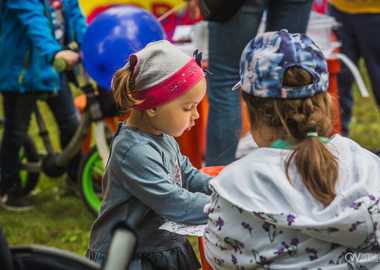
<point>152,112</point>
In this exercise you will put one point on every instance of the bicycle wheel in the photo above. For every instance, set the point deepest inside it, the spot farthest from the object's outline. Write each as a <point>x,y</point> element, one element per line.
<point>27,153</point>
<point>90,178</point>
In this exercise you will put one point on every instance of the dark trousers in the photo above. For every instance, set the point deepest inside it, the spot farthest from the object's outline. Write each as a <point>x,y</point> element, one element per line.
<point>17,111</point>
<point>226,43</point>
<point>360,37</point>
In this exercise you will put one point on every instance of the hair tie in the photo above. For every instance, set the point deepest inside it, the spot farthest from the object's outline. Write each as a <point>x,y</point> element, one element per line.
<point>312,134</point>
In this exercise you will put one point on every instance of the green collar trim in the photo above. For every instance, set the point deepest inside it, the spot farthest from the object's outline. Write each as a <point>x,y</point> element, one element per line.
<point>288,144</point>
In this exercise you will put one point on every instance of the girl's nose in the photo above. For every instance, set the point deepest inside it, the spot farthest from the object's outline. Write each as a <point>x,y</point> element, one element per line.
<point>195,113</point>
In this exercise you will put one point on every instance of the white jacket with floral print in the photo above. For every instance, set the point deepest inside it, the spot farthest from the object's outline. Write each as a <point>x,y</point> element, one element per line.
<point>259,220</point>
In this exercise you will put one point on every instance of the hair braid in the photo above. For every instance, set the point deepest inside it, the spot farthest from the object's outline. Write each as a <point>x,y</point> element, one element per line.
<point>294,118</point>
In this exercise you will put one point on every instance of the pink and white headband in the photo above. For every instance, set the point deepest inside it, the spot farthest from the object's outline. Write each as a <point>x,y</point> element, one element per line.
<point>162,72</point>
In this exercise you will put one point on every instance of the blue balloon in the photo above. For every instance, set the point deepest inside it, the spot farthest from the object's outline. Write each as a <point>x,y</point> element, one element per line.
<point>115,34</point>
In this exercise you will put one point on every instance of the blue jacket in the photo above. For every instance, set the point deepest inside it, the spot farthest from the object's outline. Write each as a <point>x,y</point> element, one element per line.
<point>27,44</point>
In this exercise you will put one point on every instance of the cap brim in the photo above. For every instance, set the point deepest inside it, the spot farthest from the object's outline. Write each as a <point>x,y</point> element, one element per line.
<point>236,86</point>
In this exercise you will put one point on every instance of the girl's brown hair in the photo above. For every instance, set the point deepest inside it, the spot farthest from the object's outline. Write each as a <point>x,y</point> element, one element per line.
<point>123,85</point>
<point>294,119</point>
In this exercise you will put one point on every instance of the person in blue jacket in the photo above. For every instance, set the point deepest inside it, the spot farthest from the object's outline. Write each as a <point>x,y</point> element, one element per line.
<point>33,34</point>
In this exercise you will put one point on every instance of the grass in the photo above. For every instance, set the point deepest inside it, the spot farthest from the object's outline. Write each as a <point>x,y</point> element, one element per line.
<point>60,218</point>
<point>365,123</point>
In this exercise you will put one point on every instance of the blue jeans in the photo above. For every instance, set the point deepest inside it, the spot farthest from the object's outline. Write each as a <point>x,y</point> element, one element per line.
<point>226,43</point>
<point>17,111</point>
<point>360,37</point>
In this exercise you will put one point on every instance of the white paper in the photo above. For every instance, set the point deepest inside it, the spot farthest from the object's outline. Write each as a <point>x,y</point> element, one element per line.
<point>182,33</point>
<point>184,229</point>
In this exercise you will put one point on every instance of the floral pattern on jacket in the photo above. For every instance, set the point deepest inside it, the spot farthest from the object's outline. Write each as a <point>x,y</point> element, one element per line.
<point>240,239</point>
<point>258,219</point>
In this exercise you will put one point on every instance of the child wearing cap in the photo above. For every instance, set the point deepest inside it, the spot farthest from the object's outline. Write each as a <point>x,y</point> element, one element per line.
<point>147,181</point>
<point>302,199</point>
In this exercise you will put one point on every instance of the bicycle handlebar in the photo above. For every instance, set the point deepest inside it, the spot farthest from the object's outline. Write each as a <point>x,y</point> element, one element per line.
<point>59,64</point>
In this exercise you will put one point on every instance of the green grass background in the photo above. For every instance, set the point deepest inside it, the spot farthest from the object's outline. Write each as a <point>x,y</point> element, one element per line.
<point>61,220</point>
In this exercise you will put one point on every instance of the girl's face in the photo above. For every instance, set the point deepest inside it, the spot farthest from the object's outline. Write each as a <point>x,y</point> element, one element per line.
<point>179,114</point>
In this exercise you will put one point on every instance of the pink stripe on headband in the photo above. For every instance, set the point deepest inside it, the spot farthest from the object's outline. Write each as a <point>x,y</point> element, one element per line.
<point>172,87</point>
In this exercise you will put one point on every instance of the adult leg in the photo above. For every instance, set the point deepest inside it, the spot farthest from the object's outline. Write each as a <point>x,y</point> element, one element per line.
<point>17,111</point>
<point>347,36</point>
<point>67,117</point>
<point>226,43</point>
<point>367,29</point>
<point>288,14</point>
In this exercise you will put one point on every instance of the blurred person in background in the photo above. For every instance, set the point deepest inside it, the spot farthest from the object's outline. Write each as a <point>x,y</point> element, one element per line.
<point>359,34</point>
<point>33,35</point>
<point>226,43</point>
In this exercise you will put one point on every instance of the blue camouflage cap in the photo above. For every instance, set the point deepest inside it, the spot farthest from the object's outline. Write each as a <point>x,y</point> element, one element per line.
<point>266,58</point>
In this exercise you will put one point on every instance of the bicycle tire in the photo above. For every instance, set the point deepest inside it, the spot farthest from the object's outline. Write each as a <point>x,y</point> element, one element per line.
<point>90,175</point>
<point>27,153</point>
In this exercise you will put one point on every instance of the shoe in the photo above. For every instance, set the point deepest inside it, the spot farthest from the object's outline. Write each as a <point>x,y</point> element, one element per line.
<point>13,199</point>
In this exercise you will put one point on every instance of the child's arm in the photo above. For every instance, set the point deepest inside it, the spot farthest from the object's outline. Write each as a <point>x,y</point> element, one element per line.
<point>143,174</point>
<point>32,16</point>
<point>192,179</point>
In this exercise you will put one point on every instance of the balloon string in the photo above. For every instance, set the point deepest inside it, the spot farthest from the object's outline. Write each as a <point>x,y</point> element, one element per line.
<point>171,11</point>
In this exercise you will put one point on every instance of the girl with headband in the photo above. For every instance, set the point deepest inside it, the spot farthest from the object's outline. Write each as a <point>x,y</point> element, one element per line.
<point>147,181</point>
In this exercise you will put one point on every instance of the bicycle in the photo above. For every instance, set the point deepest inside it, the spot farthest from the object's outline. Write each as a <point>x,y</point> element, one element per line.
<point>99,104</point>
<point>120,252</point>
